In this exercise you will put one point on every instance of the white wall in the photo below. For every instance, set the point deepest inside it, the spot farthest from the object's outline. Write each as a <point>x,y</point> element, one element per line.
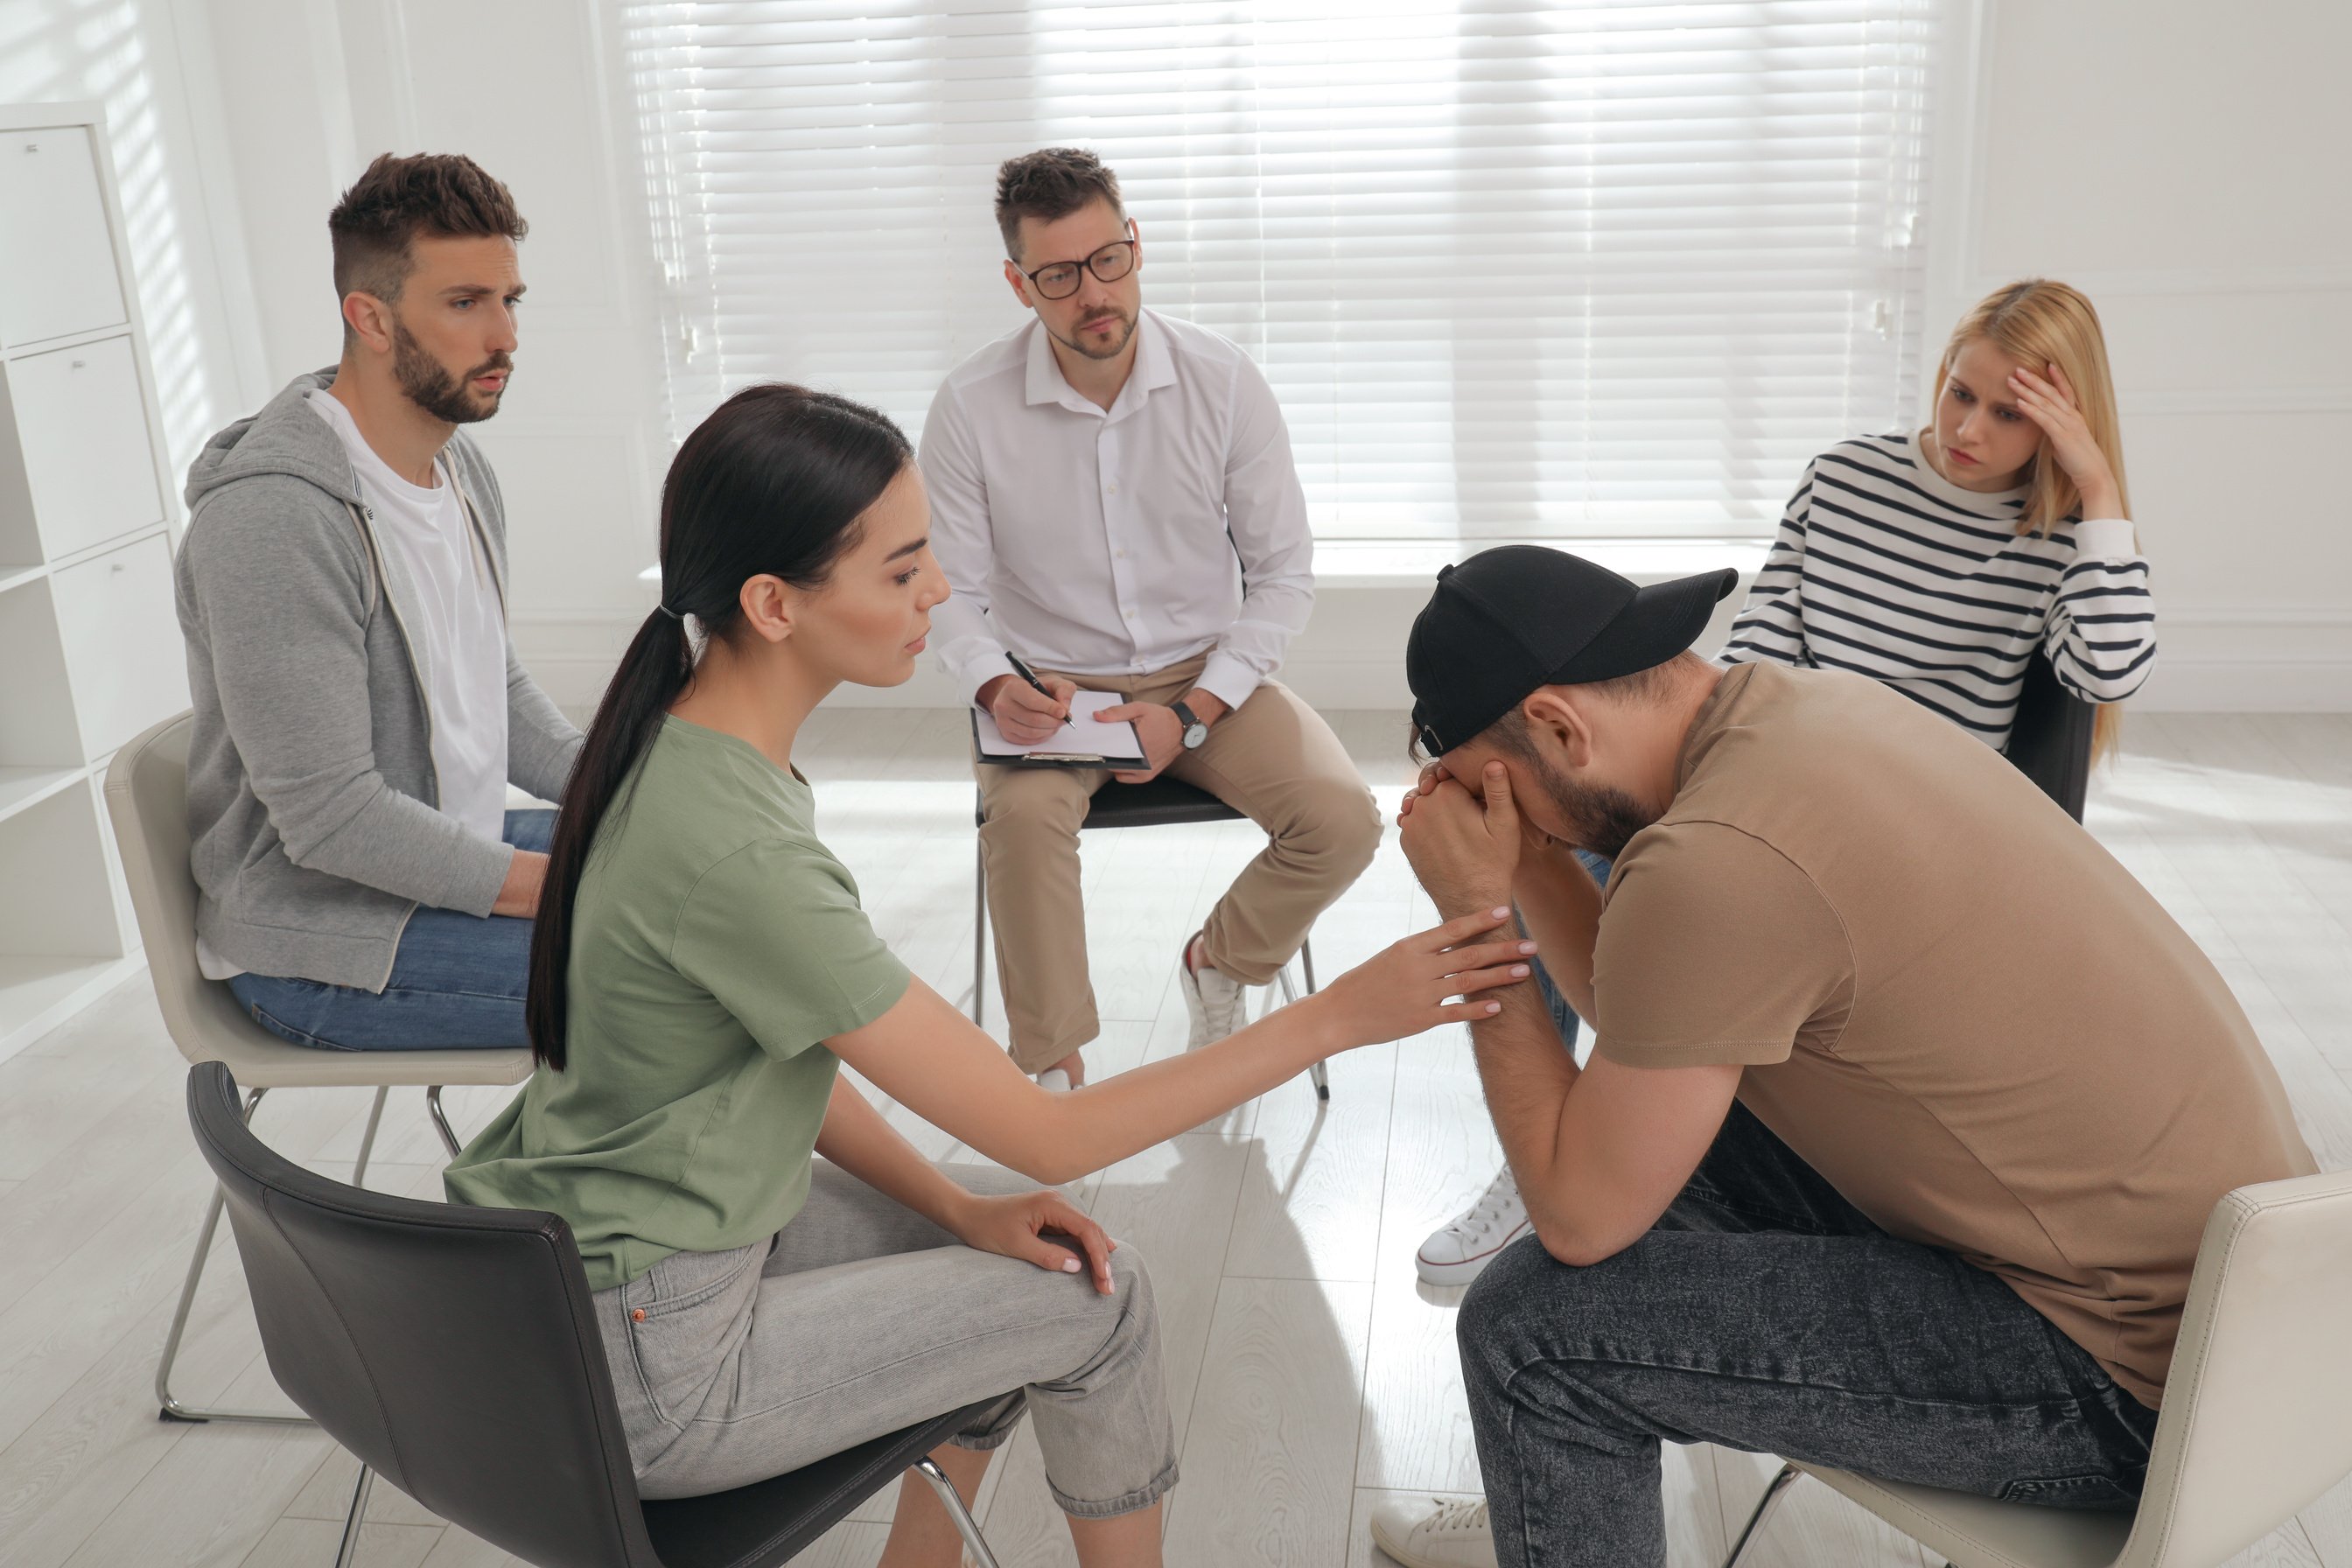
<point>2179,165</point>
<point>528,87</point>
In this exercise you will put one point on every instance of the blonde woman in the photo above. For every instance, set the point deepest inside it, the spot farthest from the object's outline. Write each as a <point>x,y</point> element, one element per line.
<point>1939,563</point>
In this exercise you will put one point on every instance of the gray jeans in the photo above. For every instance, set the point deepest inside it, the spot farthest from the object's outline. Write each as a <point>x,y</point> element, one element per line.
<point>861,1317</point>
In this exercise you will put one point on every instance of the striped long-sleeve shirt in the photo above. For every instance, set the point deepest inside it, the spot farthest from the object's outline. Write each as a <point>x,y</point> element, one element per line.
<point>1884,567</point>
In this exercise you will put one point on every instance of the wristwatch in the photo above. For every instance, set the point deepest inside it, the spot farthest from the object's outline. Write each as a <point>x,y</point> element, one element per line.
<point>1196,731</point>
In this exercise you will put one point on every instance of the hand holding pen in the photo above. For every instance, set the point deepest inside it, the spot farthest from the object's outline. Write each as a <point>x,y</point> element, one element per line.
<point>1026,708</point>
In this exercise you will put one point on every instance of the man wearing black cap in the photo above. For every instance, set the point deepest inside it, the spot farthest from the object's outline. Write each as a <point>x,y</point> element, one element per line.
<point>1906,1104</point>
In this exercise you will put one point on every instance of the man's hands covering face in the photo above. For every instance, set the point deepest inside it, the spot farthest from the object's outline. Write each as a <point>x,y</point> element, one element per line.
<point>1464,846</point>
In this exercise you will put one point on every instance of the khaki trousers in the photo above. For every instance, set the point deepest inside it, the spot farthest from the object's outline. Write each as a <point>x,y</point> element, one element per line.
<point>1273,758</point>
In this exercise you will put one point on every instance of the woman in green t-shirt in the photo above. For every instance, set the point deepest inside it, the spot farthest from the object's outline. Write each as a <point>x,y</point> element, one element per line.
<point>701,968</point>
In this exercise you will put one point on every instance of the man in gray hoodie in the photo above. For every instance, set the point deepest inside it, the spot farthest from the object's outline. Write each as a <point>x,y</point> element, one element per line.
<point>359,709</point>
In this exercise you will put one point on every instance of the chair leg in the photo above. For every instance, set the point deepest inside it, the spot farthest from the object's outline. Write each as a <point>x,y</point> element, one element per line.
<point>979,929</point>
<point>367,1139</point>
<point>441,1120</point>
<point>169,1408</point>
<point>952,1502</point>
<point>348,1551</point>
<point>1320,1075</point>
<point>1779,1484</point>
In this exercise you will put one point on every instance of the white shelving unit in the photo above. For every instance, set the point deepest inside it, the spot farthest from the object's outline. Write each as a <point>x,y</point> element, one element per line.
<point>90,643</point>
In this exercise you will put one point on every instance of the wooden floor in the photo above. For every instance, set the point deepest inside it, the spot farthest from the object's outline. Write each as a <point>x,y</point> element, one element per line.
<point>1311,1375</point>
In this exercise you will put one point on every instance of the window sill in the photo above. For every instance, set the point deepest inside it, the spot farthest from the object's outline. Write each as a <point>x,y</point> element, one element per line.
<point>1398,563</point>
<point>1395,563</point>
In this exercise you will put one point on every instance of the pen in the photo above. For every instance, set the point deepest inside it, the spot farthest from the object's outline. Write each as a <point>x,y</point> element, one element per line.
<point>1029,675</point>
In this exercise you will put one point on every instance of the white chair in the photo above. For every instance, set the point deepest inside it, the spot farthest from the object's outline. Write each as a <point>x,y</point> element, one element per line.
<point>147,797</point>
<point>2257,1418</point>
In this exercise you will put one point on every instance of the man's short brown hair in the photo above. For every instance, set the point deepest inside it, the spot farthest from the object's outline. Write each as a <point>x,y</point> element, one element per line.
<point>1049,183</point>
<point>442,195</point>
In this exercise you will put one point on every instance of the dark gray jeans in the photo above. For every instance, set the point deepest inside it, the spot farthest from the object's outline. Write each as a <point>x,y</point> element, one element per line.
<point>1767,1313</point>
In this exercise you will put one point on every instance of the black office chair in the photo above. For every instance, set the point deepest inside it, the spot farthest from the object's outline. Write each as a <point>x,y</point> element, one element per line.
<point>1164,801</point>
<point>455,1352</point>
<point>2050,742</point>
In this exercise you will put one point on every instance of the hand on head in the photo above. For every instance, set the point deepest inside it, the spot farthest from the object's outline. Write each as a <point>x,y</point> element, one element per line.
<point>1464,846</point>
<point>2051,404</point>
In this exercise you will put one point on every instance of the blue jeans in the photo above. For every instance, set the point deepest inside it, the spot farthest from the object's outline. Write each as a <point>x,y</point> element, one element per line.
<point>1563,1016</point>
<point>457,980</point>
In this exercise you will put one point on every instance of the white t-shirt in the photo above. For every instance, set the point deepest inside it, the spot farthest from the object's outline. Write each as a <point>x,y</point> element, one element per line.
<point>462,625</point>
<point>466,685</point>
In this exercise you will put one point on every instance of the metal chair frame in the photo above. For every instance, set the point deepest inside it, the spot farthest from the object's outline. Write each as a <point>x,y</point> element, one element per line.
<point>168,1408</point>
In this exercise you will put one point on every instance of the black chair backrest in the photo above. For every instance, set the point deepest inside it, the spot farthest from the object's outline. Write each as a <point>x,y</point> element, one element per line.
<point>453,1350</point>
<point>2050,742</point>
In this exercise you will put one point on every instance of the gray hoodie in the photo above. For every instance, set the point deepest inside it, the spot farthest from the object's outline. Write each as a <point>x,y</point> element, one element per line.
<point>311,791</point>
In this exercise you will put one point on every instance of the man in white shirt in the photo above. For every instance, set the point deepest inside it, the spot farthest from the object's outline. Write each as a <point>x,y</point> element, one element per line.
<point>1113,501</point>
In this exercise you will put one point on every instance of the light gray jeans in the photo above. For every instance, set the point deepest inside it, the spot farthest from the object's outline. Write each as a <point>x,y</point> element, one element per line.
<point>861,1317</point>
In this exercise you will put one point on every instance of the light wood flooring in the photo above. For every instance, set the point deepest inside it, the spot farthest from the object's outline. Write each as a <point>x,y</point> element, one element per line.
<point>1311,1373</point>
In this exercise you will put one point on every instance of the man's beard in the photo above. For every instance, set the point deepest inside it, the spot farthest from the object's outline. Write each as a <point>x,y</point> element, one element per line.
<point>1600,820</point>
<point>1115,350</point>
<point>433,389</point>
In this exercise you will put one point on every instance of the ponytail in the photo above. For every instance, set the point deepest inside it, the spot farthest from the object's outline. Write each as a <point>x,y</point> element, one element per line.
<point>772,484</point>
<point>653,672</point>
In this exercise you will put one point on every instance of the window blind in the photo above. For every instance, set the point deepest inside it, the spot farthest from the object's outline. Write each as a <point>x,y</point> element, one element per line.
<point>1515,270</point>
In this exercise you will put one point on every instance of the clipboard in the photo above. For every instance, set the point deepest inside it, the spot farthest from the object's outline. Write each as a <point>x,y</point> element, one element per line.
<point>1078,743</point>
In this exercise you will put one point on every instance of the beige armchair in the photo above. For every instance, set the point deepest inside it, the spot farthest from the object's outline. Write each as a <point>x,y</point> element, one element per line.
<point>147,797</point>
<point>2257,1418</point>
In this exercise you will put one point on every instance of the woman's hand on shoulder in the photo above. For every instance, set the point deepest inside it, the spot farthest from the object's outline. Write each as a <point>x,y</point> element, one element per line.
<point>1019,1225</point>
<point>1407,986</point>
<point>2049,401</point>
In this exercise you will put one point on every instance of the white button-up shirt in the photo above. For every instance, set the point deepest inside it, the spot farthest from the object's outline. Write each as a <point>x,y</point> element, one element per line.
<point>1119,540</point>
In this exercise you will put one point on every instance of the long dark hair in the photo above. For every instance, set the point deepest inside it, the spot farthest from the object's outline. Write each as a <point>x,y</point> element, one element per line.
<point>772,484</point>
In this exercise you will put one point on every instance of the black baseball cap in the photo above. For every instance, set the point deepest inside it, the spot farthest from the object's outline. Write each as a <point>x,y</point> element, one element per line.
<point>1518,617</point>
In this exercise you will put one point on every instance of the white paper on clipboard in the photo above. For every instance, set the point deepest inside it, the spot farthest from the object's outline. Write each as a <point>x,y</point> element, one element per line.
<point>1081,732</point>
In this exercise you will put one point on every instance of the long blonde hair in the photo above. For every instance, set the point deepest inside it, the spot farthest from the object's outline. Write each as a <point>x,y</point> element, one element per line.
<point>2038,323</point>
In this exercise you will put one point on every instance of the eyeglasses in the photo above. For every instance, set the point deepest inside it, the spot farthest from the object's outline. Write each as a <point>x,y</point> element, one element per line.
<point>1059,280</point>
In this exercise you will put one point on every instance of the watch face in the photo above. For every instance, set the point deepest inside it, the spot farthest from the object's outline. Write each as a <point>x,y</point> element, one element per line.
<point>1195,735</point>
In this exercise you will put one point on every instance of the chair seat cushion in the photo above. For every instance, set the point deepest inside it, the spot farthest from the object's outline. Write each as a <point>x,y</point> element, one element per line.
<point>1159,803</point>
<point>772,1520</point>
<point>1973,1531</point>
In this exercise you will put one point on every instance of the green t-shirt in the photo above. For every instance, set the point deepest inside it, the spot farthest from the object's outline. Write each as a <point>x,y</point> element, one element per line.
<point>715,943</point>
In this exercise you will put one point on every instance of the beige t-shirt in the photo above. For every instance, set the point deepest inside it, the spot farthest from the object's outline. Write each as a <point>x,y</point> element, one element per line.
<point>1950,1000</point>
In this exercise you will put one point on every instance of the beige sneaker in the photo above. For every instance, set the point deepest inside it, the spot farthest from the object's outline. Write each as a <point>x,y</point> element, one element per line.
<point>1214,999</point>
<point>1447,1534</point>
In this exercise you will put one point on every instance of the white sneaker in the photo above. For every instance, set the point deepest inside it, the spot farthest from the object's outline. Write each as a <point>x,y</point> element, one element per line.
<point>1212,997</point>
<point>1456,1255</point>
<point>1053,1080</point>
<point>1446,1534</point>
